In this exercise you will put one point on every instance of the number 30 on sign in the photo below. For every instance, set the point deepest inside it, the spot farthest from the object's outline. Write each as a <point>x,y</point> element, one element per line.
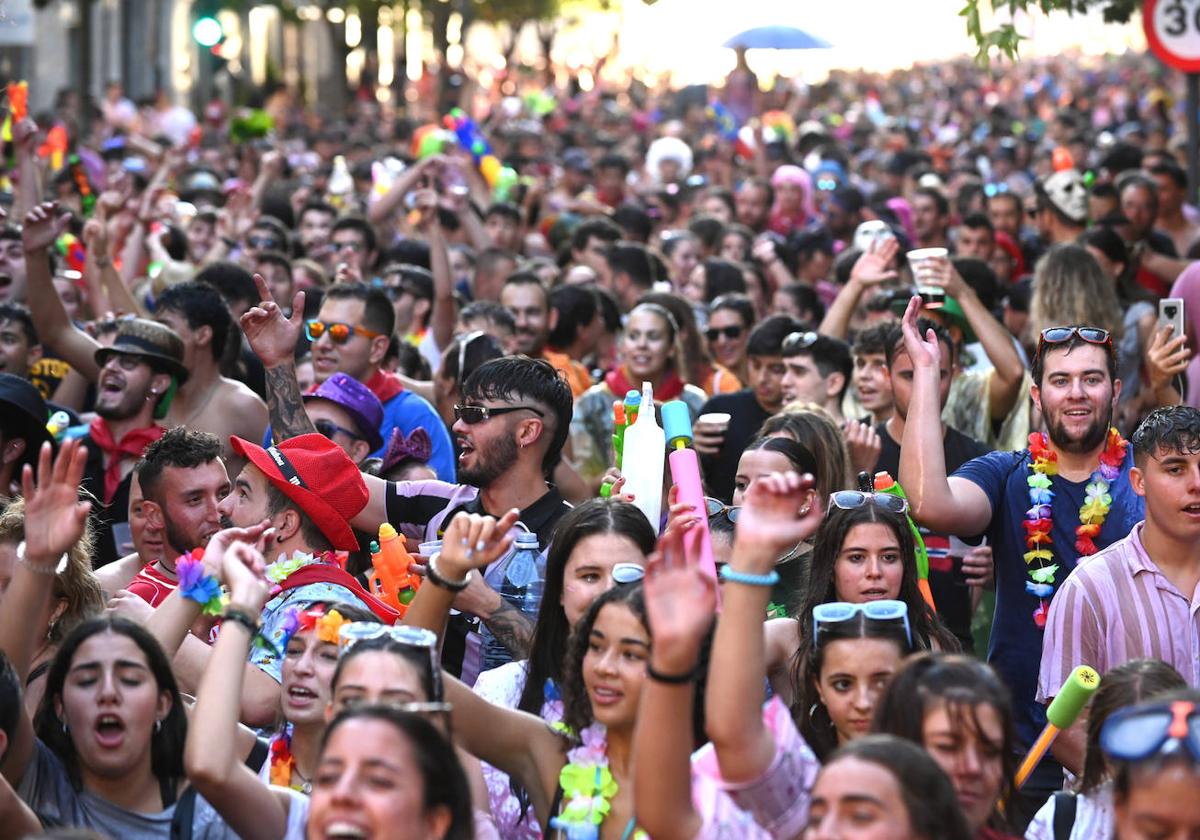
<point>1173,32</point>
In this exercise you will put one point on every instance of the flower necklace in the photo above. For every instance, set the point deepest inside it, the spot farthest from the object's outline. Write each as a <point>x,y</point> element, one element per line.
<point>1039,520</point>
<point>283,763</point>
<point>588,789</point>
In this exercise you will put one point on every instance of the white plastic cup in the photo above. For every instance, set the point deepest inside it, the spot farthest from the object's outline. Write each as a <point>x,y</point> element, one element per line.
<point>919,262</point>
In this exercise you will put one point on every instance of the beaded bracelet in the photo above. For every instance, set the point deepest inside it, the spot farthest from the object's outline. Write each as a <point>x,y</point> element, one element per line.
<point>731,576</point>
<point>436,578</point>
<point>196,586</point>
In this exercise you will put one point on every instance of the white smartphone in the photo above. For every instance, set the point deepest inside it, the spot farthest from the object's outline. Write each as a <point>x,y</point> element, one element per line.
<point>1170,311</point>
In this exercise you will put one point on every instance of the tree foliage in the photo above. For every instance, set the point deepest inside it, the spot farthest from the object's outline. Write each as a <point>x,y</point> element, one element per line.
<point>1006,40</point>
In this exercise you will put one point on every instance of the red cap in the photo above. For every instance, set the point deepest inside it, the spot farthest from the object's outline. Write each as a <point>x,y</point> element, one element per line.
<point>317,475</point>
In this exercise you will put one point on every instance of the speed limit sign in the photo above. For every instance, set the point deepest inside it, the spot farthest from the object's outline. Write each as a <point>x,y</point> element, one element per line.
<point>1173,32</point>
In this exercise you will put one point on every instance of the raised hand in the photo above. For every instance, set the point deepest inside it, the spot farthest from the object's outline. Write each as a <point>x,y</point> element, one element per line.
<point>219,543</point>
<point>1167,356</point>
<point>875,266</point>
<point>473,541</point>
<point>778,512</point>
<point>923,351</point>
<point>43,225</point>
<point>24,135</point>
<point>681,601</point>
<point>273,336</point>
<point>864,445</point>
<point>245,573</point>
<point>54,516</point>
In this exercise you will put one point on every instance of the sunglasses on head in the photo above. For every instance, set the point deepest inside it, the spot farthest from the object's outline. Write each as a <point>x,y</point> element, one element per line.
<point>1061,335</point>
<point>328,428</point>
<point>338,333</point>
<point>354,632</point>
<point>1143,731</point>
<point>799,341</point>
<point>715,507</point>
<point>473,414</point>
<point>732,333</point>
<point>836,612</point>
<point>851,499</point>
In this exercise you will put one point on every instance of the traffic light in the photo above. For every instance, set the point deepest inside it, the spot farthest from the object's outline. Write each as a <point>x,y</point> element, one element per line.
<point>207,31</point>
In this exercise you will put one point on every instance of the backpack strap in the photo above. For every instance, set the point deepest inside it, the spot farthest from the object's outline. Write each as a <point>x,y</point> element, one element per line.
<point>1065,804</point>
<point>185,815</point>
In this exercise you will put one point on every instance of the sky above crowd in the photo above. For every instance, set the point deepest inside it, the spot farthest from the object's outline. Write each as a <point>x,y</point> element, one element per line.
<point>684,37</point>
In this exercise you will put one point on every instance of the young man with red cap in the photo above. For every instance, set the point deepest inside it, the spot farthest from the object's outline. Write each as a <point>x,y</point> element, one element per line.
<point>306,489</point>
<point>511,430</point>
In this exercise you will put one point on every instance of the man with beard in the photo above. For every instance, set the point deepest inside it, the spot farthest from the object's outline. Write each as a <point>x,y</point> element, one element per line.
<point>526,297</point>
<point>136,378</point>
<point>510,430</point>
<point>183,480</point>
<point>1040,510</point>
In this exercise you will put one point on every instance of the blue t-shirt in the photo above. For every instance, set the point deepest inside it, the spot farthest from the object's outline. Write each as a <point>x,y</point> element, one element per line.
<point>1015,650</point>
<point>408,411</point>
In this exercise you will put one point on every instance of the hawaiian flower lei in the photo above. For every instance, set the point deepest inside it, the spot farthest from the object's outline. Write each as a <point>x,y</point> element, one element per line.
<point>197,586</point>
<point>588,788</point>
<point>327,624</point>
<point>283,763</point>
<point>1039,521</point>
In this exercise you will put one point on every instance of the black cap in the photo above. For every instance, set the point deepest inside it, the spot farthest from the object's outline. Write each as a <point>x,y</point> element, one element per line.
<point>24,412</point>
<point>160,345</point>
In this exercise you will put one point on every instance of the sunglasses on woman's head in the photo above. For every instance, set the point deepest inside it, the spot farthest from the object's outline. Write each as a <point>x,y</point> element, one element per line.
<point>475,414</point>
<point>851,499</point>
<point>715,507</point>
<point>836,612</point>
<point>732,333</point>
<point>360,631</point>
<point>338,333</point>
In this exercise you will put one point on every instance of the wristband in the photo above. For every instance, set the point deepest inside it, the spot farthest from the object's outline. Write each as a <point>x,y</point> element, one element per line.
<point>197,586</point>
<point>435,577</point>
<point>236,616</point>
<point>731,576</point>
<point>672,679</point>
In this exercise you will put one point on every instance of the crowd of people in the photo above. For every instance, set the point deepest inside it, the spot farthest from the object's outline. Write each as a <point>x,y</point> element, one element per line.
<point>936,336</point>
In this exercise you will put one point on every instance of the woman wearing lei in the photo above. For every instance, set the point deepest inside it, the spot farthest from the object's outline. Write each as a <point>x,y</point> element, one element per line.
<point>579,777</point>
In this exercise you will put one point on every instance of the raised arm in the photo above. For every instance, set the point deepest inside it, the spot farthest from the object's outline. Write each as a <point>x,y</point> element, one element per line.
<point>870,271</point>
<point>211,756</point>
<point>680,604</point>
<point>444,315</point>
<point>779,511</point>
<point>43,225</point>
<point>54,521</point>
<point>28,190</point>
<point>946,505</point>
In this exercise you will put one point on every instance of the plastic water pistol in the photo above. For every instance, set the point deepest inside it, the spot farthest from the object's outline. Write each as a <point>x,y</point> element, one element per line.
<point>392,579</point>
<point>685,474</point>
<point>884,483</point>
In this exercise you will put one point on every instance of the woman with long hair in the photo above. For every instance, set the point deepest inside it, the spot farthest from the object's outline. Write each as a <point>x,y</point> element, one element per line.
<point>730,319</point>
<point>813,427</point>
<point>76,596</point>
<point>695,363</point>
<point>105,750</point>
<point>961,713</point>
<point>1134,682</point>
<point>593,539</point>
<point>1070,287</point>
<point>650,352</point>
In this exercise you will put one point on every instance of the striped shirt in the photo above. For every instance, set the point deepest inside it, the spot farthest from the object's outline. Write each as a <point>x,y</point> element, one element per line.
<point>1114,607</point>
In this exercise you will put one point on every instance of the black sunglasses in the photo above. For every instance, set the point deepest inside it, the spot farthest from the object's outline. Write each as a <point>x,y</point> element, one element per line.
<point>732,333</point>
<point>328,428</point>
<point>474,414</point>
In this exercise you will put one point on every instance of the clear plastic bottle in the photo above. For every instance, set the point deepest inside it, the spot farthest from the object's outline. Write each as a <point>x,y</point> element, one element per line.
<point>521,586</point>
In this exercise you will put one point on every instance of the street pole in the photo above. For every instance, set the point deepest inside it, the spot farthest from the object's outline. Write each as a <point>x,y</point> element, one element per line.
<point>1193,134</point>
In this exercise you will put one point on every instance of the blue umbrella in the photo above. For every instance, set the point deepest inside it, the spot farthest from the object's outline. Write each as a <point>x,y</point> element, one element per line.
<point>777,37</point>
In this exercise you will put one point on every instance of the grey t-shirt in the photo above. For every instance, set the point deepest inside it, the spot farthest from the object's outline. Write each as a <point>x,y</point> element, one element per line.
<point>47,789</point>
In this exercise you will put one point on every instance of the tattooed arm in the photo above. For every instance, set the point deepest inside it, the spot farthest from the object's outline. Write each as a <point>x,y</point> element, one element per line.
<point>511,627</point>
<point>288,417</point>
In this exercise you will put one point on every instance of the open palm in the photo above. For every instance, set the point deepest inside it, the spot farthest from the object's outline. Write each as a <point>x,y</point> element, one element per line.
<point>681,600</point>
<point>774,515</point>
<point>54,516</point>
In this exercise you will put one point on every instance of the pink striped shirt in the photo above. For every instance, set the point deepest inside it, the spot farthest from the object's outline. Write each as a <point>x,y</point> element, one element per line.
<point>1114,607</point>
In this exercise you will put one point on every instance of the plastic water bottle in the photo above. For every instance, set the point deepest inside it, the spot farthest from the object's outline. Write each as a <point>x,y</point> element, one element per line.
<point>645,451</point>
<point>521,586</point>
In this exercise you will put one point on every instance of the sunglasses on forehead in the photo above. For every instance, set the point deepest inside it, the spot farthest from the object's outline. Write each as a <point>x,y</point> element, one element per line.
<point>799,341</point>
<point>1062,335</point>
<point>338,333</point>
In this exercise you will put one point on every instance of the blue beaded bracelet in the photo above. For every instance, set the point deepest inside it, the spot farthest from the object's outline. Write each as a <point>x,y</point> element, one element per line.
<point>732,576</point>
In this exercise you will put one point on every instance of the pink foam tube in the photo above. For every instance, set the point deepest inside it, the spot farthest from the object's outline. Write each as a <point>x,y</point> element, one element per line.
<point>685,473</point>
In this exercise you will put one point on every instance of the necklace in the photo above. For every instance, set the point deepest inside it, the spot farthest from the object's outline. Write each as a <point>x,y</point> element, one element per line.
<point>588,789</point>
<point>1039,518</point>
